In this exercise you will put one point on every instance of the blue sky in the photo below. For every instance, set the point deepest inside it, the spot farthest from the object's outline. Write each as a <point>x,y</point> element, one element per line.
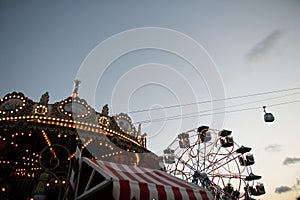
<point>243,48</point>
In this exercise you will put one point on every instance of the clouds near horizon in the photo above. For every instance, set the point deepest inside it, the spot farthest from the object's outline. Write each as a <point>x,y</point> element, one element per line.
<point>289,160</point>
<point>282,189</point>
<point>264,46</point>
<point>273,148</point>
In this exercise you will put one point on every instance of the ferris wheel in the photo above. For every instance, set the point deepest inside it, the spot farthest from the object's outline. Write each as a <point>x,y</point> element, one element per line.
<point>211,159</point>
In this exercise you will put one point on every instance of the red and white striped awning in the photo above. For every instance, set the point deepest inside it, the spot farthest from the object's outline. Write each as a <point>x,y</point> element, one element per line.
<point>106,180</point>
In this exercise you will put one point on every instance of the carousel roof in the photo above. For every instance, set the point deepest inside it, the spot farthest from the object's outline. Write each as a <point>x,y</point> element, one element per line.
<point>72,112</point>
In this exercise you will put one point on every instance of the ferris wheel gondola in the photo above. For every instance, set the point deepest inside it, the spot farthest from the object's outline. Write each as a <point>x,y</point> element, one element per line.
<point>211,159</point>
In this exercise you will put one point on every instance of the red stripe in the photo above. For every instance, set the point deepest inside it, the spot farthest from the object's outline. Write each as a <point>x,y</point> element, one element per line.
<point>144,191</point>
<point>124,184</point>
<point>114,171</point>
<point>191,194</point>
<point>189,189</point>
<point>162,195</point>
<point>173,180</point>
<point>141,175</point>
<point>177,194</point>
<point>124,190</point>
<point>204,195</point>
<point>127,173</point>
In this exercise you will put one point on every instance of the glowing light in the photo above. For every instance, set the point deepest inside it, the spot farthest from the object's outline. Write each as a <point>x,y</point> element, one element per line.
<point>49,143</point>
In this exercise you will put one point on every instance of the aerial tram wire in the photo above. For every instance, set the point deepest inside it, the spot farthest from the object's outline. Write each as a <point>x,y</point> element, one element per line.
<point>222,108</point>
<point>216,100</point>
<point>177,117</point>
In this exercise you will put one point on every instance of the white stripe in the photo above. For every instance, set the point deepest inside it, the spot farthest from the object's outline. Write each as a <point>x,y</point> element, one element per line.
<point>134,190</point>
<point>173,178</point>
<point>78,152</point>
<point>209,194</point>
<point>169,192</point>
<point>119,171</point>
<point>116,190</point>
<point>152,191</point>
<point>166,180</point>
<point>72,179</point>
<point>139,170</point>
<point>184,193</point>
<point>108,171</point>
<point>197,195</point>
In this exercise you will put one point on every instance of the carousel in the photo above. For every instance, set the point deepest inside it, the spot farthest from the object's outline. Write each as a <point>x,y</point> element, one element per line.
<point>38,143</point>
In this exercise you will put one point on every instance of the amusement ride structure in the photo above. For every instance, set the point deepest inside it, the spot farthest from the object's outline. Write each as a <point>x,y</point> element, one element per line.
<point>38,158</point>
<point>211,159</point>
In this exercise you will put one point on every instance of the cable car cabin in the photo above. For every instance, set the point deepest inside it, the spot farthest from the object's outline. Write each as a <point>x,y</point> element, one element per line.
<point>169,156</point>
<point>227,141</point>
<point>269,117</point>
<point>248,161</point>
<point>184,141</point>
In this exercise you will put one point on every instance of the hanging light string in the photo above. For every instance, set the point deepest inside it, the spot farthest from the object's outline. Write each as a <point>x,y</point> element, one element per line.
<point>215,100</point>
<point>212,111</point>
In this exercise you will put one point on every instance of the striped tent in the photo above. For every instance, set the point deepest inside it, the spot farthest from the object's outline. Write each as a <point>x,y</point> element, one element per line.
<point>105,180</point>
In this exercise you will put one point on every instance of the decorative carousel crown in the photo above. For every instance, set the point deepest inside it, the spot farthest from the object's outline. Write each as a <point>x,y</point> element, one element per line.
<point>72,112</point>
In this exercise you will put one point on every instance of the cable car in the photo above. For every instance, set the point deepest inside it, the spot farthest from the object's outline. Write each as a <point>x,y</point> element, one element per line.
<point>269,117</point>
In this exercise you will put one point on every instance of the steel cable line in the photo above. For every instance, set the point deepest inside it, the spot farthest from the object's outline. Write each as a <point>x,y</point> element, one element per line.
<point>214,113</point>
<point>231,106</point>
<point>215,100</point>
